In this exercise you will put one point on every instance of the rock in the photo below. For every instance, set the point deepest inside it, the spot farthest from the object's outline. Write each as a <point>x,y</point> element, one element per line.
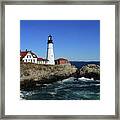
<point>89,71</point>
<point>32,74</point>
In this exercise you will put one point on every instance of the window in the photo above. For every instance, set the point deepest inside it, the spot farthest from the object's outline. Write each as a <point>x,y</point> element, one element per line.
<point>28,60</point>
<point>28,56</point>
<point>34,61</point>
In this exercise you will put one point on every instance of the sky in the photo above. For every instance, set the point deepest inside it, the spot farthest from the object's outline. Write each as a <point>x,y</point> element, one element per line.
<point>75,40</point>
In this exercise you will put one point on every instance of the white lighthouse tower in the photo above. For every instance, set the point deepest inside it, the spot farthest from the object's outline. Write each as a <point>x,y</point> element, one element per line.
<point>50,52</point>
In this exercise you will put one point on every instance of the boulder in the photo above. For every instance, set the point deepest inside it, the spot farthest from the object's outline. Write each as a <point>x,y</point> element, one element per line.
<point>89,71</point>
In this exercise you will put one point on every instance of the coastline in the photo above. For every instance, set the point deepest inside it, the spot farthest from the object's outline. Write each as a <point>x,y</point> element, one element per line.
<point>34,75</point>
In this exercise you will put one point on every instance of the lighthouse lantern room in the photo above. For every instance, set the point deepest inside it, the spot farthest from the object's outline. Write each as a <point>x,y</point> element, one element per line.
<point>50,52</point>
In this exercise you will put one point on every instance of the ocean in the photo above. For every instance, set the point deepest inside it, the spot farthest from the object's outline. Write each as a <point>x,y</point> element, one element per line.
<point>67,89</point>
<point>80,64</point>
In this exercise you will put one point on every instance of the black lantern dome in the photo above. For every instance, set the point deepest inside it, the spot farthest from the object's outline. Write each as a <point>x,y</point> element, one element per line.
<point>50,39</point>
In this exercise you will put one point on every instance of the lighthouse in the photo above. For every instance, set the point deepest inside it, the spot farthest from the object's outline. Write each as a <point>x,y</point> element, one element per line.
<point>50,52</point>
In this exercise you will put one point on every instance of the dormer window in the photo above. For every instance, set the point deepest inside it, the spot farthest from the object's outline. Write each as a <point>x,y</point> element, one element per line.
<point>34,56</point>
<point>28,56</point>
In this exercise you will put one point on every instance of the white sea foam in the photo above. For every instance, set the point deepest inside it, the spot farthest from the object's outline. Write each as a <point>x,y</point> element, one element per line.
<point>83,78</point>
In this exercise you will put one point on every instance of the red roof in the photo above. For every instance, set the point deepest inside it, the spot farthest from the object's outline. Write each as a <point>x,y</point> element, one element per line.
<point>23,53</point>
<point>39,59</point>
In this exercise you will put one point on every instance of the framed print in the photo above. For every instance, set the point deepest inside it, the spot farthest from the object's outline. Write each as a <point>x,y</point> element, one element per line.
<point>60,59</point>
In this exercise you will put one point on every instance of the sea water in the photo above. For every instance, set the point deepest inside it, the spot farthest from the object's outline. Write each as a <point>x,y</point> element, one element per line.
<point>68,89</point>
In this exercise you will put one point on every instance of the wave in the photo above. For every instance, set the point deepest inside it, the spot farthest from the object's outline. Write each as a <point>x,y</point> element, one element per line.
<point>70,88</point>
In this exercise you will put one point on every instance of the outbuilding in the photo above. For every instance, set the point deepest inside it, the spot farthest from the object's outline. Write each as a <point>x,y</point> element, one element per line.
<point>61,61</point>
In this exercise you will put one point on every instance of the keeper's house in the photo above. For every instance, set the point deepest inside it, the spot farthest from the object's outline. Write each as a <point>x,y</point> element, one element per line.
<point>61,61</point>
<point>29,56</point>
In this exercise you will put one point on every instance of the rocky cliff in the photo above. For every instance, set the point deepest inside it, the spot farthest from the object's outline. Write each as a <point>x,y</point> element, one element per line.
<point>89,71</point>
<point>32,74</point>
